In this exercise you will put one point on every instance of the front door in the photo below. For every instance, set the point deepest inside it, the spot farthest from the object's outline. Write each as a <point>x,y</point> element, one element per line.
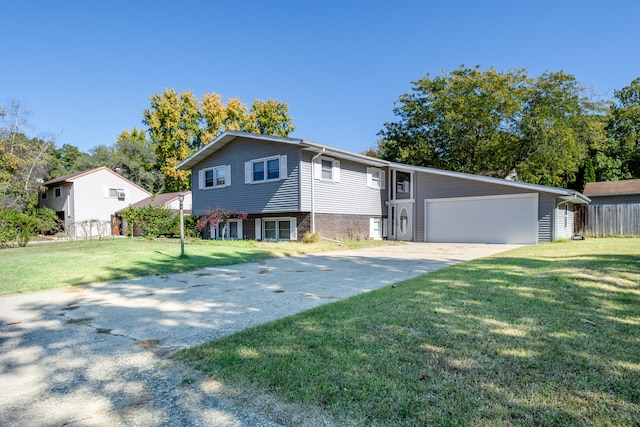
<point>402,217</point>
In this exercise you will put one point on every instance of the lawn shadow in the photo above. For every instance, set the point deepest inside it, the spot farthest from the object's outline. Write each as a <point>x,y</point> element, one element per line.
<point>504,340</point>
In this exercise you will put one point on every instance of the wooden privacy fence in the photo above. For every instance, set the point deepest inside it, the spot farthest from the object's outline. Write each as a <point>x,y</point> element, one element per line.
<point>611,219</point>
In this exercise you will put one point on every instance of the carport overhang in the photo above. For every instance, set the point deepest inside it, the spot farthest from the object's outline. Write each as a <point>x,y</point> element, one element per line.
<point>575,198</point>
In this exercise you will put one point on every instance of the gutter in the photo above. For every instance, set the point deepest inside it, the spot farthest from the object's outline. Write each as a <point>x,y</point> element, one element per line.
<point>313,190</point>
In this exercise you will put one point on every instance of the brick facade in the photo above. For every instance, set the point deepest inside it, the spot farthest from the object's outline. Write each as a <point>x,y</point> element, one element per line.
<point>332,226</point>
<point>342,226</point>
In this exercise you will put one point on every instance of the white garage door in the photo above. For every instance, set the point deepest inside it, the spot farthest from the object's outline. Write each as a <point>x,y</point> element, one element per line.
<point>491,219</point>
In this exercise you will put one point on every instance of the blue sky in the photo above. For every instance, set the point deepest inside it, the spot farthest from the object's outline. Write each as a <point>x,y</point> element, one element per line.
<point>86,70</point>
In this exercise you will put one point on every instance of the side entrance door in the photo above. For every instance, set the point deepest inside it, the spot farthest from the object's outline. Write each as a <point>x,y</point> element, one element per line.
<point>402,221</point>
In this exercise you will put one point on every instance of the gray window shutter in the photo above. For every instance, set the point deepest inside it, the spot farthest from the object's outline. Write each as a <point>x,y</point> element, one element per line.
<point>201,179</point>
<point>382,180</point>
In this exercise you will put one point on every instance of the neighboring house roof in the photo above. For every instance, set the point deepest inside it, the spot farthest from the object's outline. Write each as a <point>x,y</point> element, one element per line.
<point>226,137</point>
<point>613,188</point>
<point>76,175</point>
<point>156,200</point>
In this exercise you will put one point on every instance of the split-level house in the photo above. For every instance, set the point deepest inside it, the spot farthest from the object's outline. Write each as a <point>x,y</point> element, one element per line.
<point>290,186</point>
<point>87,201</point>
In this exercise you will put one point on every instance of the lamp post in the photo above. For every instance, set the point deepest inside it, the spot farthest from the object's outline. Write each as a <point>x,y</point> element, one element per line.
<point>181,200</point>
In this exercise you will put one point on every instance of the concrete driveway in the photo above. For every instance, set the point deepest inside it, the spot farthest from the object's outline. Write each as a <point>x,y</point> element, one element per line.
<point>96,355</point>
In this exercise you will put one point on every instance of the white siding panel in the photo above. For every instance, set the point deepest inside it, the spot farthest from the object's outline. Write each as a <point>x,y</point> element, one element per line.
<point>564,221</point>
<point>349,195</point>
<point>258,223</point>
<point>494,219</point>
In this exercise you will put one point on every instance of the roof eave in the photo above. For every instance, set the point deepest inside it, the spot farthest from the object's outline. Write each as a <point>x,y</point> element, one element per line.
<point>222,140</point>
<point>627,193</point>
<point>343,154</point>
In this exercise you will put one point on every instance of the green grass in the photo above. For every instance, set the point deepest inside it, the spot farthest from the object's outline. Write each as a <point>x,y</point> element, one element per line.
<point>545,335</point>
<point>52,265</point>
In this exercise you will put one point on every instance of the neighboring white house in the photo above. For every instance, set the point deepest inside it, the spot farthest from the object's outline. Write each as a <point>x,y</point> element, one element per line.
<point>86,201</point>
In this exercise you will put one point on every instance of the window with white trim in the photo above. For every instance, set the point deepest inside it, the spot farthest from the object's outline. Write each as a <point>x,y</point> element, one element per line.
<point>403,180</point>
<point>216,177</point>
<point>57,192</point>
<point>229,230</point>
<point>114,193</point>
<point>267,169</point>
<point>279,229</point>
<point>375,178</point>
<point>327,169</point>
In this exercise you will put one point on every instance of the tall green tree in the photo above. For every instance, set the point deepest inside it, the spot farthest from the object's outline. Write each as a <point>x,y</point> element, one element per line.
<point>135,156</point>
<point>464,121</point>
<point>494,123</point>
<point>624,128</point>
<point>64,160</point>
<point>557,127</point>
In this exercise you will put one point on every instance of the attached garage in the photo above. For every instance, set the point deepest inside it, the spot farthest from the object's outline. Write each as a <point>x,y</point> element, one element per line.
<point>511,218</point>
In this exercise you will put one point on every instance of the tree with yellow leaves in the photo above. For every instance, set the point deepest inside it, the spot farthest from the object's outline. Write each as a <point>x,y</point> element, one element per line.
<point>180,124</point>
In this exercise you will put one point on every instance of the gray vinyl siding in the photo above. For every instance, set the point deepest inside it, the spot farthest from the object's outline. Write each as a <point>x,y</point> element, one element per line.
<point>348,196</point>
<point>305,181</point>
<point>267,197</point>
<point>432,186</point>
<point>546,211</point>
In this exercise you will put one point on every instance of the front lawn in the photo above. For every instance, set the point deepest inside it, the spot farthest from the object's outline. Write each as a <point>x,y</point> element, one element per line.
<point>52,265</point>
<point>543,335</point>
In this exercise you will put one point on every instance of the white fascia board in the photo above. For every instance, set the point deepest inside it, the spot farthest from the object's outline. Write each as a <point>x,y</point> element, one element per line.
<point>476,198</point>
<point>343,154</point>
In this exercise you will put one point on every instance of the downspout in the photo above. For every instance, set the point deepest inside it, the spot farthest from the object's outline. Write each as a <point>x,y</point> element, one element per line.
<point>313,191</point>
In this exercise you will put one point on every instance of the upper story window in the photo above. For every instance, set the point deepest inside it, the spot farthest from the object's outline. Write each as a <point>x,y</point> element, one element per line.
<point>57,192</point>
<point>114,193</point>
<point>44,194</point>
<point>216,177</point>
<point>375,178</point>
<point>403,180</point>
<point>327,169</point>
<point>266,169</point>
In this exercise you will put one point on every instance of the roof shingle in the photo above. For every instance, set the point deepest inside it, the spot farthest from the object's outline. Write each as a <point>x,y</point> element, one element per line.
<point>612,188</point>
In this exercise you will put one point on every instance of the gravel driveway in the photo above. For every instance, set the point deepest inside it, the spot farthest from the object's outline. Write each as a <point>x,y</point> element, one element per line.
<point>96,355</point>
